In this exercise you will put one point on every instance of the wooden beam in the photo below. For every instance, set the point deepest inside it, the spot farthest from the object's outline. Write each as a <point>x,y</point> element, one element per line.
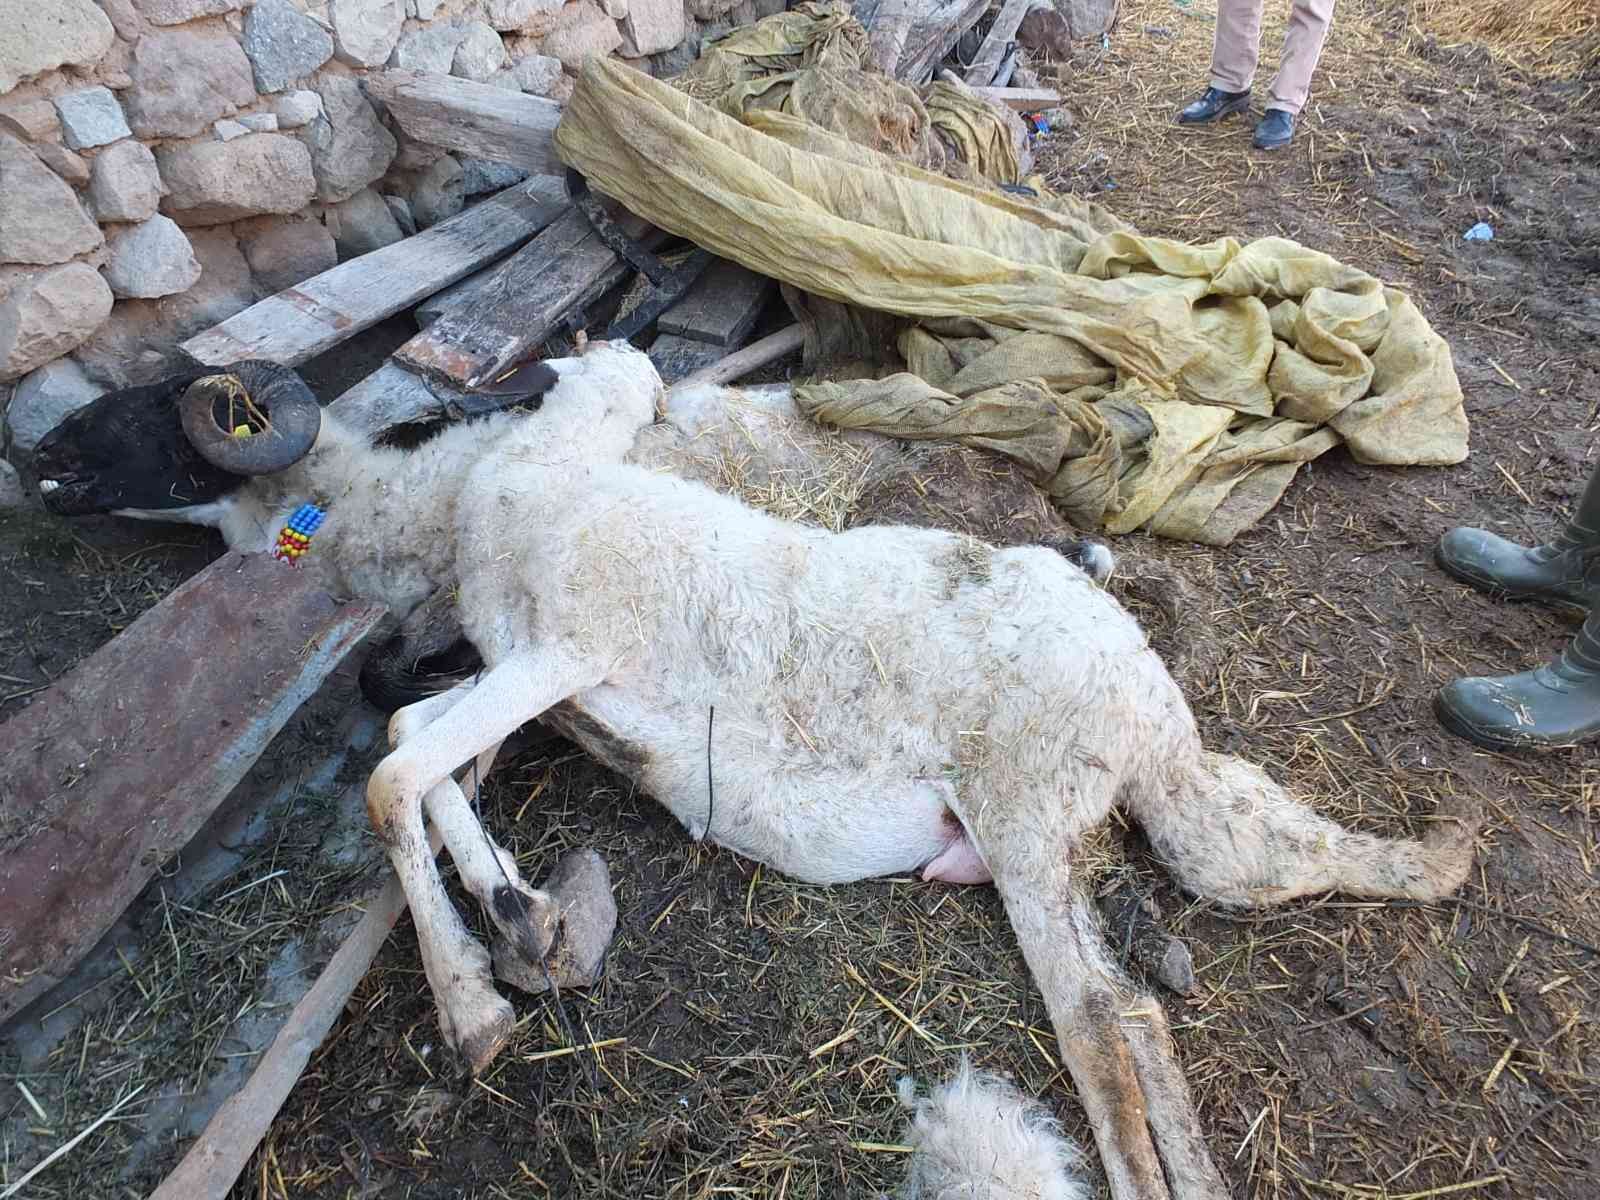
<point>934,34</point>
<point>721,307</point>
<point>754,356</point>
<point>519,304</point>
<point>301,322</point>
<point>987,61</point>
<point>473,118</point>
<point>116,765</point>
<point>677,357</point>
<point>1021,99</point>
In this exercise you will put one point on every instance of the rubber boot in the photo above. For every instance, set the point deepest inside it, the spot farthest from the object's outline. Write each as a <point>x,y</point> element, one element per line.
<point>1564,572</point>
<point>1554,705</point>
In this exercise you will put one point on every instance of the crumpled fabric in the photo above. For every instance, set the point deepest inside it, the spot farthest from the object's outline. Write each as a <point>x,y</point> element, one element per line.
<point>1141,382</point>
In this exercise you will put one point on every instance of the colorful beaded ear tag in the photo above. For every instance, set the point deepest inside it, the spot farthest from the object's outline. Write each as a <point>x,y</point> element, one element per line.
<point>295,537</point>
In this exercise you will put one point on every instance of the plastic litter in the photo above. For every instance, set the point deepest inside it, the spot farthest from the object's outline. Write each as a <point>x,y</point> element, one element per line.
<point>1481,232</point>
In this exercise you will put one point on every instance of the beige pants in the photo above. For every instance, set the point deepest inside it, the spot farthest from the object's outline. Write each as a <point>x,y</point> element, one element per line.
<point>1238,46</point>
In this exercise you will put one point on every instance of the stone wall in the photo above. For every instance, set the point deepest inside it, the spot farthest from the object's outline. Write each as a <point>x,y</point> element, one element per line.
<point>165,163</point>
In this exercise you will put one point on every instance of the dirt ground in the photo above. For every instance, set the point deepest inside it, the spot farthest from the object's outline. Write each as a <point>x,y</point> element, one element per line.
<point>1335,1049</point>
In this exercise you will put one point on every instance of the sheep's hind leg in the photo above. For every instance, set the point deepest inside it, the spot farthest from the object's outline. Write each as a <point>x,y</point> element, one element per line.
<point>1230,833</point>
<point>475,1019</point>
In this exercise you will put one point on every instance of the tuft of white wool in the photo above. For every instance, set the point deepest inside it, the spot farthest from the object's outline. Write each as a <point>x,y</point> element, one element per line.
<point>978,1138</point>
<point>1098,562</point>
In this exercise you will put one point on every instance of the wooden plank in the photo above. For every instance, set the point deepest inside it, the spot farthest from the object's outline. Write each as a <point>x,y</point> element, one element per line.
<point>721,307</point>
<point>676,357</point>
<point>301,322</point>
<point>935,34</point>
<point>113,769</point>
<point>473,118</point>
<point>391,396</point>
<point>520,303</point>
<point>987,61</point>
<point>1021,99</point>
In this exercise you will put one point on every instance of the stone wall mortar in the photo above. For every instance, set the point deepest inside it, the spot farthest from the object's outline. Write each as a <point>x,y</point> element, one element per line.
<point>166,163</point>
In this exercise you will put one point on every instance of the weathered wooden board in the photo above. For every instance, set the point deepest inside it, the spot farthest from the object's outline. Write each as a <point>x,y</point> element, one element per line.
<point>519,304</point>
<point>473,118</point>
<point>987,61</point>
<point>301,322</point>
<point>114,768</point>
<point>676,357</point>
<point>933,30</point>
<point>391,396</point>
<point>1021,99</point>
<point>721,307</point>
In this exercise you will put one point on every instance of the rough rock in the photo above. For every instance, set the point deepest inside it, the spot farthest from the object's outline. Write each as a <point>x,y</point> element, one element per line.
<point>41,37</point>
<point>209,183</point>
<point>440,192</point>
<point>533,17</point>
<point>226,130</point>
<point>151,259</point>
<point>41,221</point>
<point>537,73</point>
<point>260,122</point>
<point>176,12</point>
<point>48,314</point>
<point>283,44</point>
<point>71,167</point>
<point>432,49</point>
<point>124,183</point>
<point>11,491</point>
<point>362,223</point>
<point>479,175</point>
<point>414,155</point>
<point>45,398</point>
<point>652,26</point>
<point>479,54</point>
<point>583,32</point>
<point>138,343</point>
<point>561,91</point>
<point>365,31</point>
<point>615,9</point>
<point>1088,18</point>
<point>30,120</point>
<point>402,214</point>
<point>349,147</point>
<point>91,118</point>
<point>184,79</point>
<point>282,252</point>
<point>1045,31</point>
<point>297,108</point>
<point>125,18</point>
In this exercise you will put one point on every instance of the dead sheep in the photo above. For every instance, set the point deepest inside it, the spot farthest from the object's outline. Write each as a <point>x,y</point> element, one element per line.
<point>875,701</point>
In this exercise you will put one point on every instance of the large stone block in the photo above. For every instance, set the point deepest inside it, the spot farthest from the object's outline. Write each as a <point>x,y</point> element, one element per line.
<point>439,192</point>
<point>48,314</point>
<point>91,118</point>
<point>209,183</point>
<point>41,221</point>
<point>362,223</point>
<point>432,49</point>
<point>36,37</point>
<point>184,79</point>
<point>30,120</point>
<point>479,54</point>
<point>282,251</point>
<point>45,398</point>
<point>365,31</point>
<point>283,44</point>
<point>532,17</point>
<point>350,148</point>
<point>125,183</point>
<point>177,12</point>
<point>150,260</point>
<point>582,33</point>
<point>652,26</point>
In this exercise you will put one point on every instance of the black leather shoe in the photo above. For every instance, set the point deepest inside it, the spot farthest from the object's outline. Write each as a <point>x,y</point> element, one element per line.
<point>1275,129</point>
<point>1213,106</point>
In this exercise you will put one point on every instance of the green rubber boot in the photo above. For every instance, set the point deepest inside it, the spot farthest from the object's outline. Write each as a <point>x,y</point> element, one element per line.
<point>1554,705</point>
<point>1564,572</point>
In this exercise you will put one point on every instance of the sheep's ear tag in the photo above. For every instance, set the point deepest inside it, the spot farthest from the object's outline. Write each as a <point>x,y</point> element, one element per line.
<point>294,539</point>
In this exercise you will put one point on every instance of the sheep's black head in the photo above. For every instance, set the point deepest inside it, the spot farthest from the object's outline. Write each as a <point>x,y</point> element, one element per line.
<point>191,439</point>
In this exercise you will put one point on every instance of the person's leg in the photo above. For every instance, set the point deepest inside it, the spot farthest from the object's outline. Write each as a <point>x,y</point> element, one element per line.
<point>1302,47</point>
<point>1234,51</point>
<point>1564,571</point>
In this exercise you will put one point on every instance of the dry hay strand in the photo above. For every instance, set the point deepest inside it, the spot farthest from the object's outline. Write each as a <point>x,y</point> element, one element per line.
<point>1554,37</point>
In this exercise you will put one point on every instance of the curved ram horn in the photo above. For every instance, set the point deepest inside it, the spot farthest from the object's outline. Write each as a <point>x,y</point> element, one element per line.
<point>273,402</point>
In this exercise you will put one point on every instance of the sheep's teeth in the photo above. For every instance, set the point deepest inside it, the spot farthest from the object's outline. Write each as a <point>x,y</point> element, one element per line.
<point>48,485</point>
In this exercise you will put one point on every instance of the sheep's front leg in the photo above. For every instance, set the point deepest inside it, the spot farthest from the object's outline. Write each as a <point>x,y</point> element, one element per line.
<point>474,1018</point>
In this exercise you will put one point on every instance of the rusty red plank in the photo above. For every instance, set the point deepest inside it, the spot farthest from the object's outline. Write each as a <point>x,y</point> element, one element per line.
<point>117,765</point>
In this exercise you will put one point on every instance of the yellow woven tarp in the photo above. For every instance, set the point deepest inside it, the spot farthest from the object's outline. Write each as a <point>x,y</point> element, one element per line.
<point>1142,381</point>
